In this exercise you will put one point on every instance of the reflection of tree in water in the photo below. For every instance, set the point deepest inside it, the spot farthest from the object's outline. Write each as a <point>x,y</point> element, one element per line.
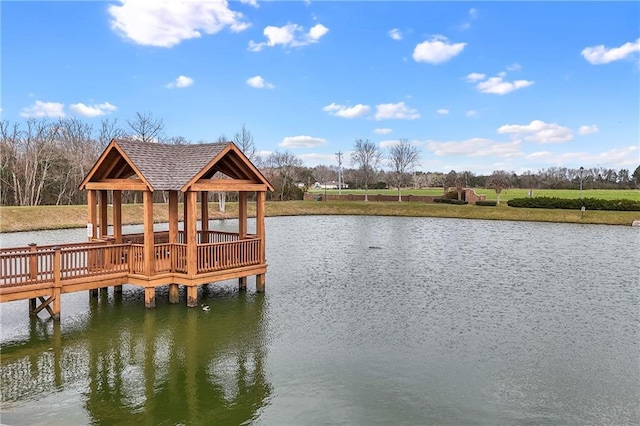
<point>169,365</point>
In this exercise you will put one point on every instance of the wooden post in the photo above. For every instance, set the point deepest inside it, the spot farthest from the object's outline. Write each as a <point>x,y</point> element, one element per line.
<point>174,295</point>
<point>33,262</point>
<point>117,216</point>
<point>204,216</point>
<point>92,215</point>
<point>242,215</point>
<point>150,297</point>
<point>191,234</point>
<point>185,217</point>
<point>260,231</point>
<point>173,216</point>
<point>242,283</point>
<point>102,204</point>
<point>57,284</point>
<point>192,296</point>
<point>33,303</point>
<point>260,278</point>
<point>149,244</point>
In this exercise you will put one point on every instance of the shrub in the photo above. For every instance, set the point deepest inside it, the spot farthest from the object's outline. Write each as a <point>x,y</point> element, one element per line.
<point>486,203</point>
<point>575,203</point>
<point>449,201</point>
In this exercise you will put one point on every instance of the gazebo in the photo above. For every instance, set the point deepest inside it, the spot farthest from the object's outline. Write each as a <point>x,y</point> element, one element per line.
<point>190,256</point>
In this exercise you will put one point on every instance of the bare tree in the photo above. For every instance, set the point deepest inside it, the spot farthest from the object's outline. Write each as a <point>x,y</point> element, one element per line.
<point>403,157</point>
<point>244,140</point>
<point>109,130</point>
<point>498,181</point>
<point>146,128</point>
<point>366,156</point>
<point>281,169</point>
<point>35,151</point>
<point>449,180</point>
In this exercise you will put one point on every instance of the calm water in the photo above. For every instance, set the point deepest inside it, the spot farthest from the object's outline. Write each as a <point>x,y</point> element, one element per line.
<point>366,320</point>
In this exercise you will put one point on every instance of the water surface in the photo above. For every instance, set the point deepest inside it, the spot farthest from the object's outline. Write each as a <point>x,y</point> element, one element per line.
<point>366,320</point>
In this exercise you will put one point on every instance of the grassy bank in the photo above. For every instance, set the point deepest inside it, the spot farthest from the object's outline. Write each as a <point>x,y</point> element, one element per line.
<point>507,194</point>
<point>14,219</point>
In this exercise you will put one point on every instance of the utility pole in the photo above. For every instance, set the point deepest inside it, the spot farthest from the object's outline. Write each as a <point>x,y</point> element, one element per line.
<point>340,178</point>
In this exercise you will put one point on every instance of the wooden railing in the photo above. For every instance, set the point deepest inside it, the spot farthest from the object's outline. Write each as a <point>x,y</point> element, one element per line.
<point>26,267</point>
<point>35,264</point>
<point>94,261</point>
<point>170,258</point>
<point>234,254</point>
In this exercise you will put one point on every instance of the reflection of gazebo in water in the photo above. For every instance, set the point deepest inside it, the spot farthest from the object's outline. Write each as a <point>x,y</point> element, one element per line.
<point>163,366</point>
<point>190,256</point>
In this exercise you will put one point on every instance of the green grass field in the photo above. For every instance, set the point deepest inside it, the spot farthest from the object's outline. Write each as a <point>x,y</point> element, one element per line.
<point>507,194</point>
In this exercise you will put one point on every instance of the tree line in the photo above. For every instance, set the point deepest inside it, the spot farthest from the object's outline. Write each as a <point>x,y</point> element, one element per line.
<point>43,161</point>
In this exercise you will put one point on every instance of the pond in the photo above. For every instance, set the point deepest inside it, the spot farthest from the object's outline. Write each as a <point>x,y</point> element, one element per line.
<point>366,320</point>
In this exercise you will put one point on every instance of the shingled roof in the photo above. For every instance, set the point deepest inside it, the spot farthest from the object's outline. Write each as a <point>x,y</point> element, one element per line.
<point>166,167</point>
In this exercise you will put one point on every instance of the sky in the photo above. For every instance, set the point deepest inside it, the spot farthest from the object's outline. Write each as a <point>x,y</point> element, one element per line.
<point>477,86</point>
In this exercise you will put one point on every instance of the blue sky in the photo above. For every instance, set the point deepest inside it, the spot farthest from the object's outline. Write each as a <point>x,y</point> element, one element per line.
<point>476,86</point>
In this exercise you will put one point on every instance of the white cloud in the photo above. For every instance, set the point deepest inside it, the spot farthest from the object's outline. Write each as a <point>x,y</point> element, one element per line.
<point>302,141</point>
<point>253,3</point>
<point>538,131</point>
<point>475,76</point>
<point>399,110</point>
<point>313,159</point>
<point>259,83</point>
<point>347,112</point>
<point>497,85</point>
<point>382,131</point>
<point>92,110</point>
<point>443,111</point>
<point>436,50</point>
<point>395,34</point>
<point>43,109</point>
<point>598,55</point>
<point>389,143</point>
<point>476,147</point>
<point>471,113</point>
<point>473,13</point>
<point>625,157</point>
<point>290,35</point>
<point>514,67</point>
<point>587,130</point>
<point>180,82</point>
<point>166,23</point>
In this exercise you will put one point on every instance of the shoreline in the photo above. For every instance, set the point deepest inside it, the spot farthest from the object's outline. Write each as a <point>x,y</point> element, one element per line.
<point>40,218</point>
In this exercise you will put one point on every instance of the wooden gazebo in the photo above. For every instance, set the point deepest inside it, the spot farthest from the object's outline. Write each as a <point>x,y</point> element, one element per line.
<point>189,256</point>
<point>192,255</point>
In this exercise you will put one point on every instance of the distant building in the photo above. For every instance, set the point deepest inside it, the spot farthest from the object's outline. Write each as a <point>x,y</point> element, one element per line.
<point>329,185</point>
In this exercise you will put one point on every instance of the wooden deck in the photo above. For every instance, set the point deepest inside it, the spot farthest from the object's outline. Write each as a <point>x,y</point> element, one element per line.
<point>46,272</point>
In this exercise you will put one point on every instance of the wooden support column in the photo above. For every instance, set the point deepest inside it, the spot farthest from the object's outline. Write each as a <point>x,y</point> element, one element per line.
<point>192,246</point>
<point>150,297</point>
<point>242,215</point>
<point>191,233</point>
<point>185,216</point>
<point>104,222</point>
<point>192,296</point>
<point>92,215</point>
<point>260,231</point>
<point>57,284</point>
<point>173,216</point>
<point>174,294</point>
<point>33,262</point>
<point>242,230</point>
<point>117,226</point>
<point>204,216</point>
<point>149,249</point>
<point>117,216</point>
